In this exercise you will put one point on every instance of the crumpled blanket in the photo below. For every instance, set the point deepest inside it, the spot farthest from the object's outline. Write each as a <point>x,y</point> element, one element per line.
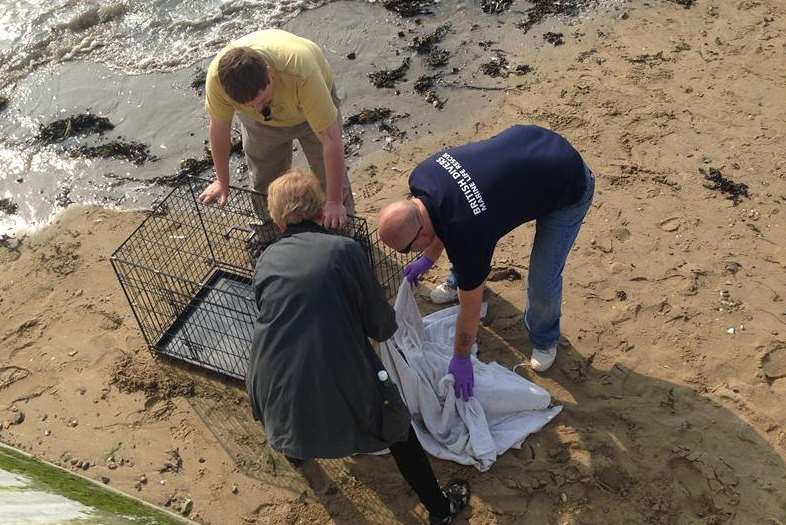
<point>505,407</point>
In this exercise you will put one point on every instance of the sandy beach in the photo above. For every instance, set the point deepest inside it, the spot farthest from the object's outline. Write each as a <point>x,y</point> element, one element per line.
<point>672,364</point>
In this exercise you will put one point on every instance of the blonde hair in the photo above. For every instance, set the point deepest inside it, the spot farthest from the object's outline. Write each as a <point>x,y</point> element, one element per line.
<point>295,197</point>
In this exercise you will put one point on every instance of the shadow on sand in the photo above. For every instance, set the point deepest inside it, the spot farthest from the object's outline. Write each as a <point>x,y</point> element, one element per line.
<point>628,448</point>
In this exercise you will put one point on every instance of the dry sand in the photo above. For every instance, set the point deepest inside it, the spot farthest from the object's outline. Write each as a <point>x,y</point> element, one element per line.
<point>672,369</point>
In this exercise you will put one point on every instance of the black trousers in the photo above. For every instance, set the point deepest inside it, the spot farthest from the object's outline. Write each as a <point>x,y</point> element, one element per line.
<point>415,467</point>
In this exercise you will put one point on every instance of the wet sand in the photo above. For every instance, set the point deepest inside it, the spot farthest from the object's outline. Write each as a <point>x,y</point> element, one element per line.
<point>672,368</point>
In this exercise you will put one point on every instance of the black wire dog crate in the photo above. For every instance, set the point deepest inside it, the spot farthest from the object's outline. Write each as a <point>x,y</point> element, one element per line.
<point>187,273</point>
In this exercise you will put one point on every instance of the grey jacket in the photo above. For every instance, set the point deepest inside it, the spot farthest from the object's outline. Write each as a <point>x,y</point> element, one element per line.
<point>312,376</point>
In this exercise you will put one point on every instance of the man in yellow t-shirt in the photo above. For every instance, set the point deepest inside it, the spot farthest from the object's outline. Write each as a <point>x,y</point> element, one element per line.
<point>281,88</point>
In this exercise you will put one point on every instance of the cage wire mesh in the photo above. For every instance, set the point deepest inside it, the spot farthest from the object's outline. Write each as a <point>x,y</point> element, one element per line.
<point>187,273</point>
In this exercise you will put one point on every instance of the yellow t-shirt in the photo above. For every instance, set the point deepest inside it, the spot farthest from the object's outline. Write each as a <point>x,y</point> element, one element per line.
<point>301,86</point>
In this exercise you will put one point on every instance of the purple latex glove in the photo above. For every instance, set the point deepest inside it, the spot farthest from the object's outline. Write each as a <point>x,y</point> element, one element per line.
<point>461,368</point>
<point>414,270</point>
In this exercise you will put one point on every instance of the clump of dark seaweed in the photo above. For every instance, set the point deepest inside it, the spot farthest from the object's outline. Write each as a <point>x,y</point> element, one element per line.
<point>82,124</point>
<point>198,80</point>
<point>543,9</point>
<point>687,4</point>
<point>368,116</point>
<point>498,66</point>
<point>352,143</point>
<point>435,100</point>
<point>423,45</point>
<point>495,7</point>
<point>409,8</point>
<point>3,102</point>
<point>734,191</point>
<point>131,151</point>
<point>392,131</point>
<point>438,57</point>
<point>192,167</point>
<point>426,82</point>
<point>387,78</point>
<point>553,38</point>
<point>8,206</point>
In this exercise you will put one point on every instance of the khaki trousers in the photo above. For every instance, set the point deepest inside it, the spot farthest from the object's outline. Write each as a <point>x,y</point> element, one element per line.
<point>268,153</point>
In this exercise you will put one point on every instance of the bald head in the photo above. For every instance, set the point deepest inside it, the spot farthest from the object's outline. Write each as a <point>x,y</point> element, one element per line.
<point>399,222</point>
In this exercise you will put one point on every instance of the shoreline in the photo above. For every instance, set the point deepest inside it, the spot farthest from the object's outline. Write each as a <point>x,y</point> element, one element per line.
<point>672,366</point>
<point>164,113</point>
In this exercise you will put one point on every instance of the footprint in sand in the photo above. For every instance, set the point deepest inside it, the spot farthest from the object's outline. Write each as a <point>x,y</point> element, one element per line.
<point>691,493</point>
<point>773,362</point>
<point>671,224</point>
<point>12,374</point>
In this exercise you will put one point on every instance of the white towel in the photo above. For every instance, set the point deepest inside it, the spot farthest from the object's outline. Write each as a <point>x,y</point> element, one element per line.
<point>505,407</point>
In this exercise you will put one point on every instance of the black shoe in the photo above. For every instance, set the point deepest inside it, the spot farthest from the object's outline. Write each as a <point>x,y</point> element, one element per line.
<point>457,491</point>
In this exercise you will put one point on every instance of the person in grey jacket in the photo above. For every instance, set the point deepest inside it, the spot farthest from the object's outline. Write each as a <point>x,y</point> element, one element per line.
<point>314,380</point>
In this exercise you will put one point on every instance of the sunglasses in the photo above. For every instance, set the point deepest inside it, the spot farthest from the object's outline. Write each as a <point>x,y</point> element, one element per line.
<point>408,247</point>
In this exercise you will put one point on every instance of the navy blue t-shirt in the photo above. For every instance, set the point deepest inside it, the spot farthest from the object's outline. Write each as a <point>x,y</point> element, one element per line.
<point>477,193</point>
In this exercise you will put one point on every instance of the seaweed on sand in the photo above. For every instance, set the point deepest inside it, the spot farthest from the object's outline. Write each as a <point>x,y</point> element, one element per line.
<point>8,206</point>
<point>438,57</point>
<point>131,151</point>
<point>81,124</point>
<point>553,38</point>
<point>495,7</point>
<point>435,100</point>
<point>368,116</point>
<point>352,143</point>
<point>734,191</point>
<point>543,9</point>
<point>687,4</point>
<point>3,102</point>
<point>199,79</point>
<point>498,66</point>
<point>423,45</point>
<point>409,8</point>
<point>387,78</point>
<point>426,82</point>
<point>193,167</point>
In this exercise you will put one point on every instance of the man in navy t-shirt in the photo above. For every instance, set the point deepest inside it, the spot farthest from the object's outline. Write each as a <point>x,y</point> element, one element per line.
<point>465,199</point>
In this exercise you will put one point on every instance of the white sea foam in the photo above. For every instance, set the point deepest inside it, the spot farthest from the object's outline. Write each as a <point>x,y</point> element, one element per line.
<point>130,36</point>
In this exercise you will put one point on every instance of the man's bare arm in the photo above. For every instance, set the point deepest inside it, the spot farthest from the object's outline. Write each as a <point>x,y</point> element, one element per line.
<point>468,320</point>
<point>434,250</point>
<point>220,138</point>
<point>333,152</point>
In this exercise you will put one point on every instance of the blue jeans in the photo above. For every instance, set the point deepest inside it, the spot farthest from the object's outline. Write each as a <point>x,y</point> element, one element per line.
<point>554,237</point>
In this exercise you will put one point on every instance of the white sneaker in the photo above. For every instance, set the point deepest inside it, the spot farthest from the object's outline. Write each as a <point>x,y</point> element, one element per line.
<point>443,294</point>
<point>541,359</point>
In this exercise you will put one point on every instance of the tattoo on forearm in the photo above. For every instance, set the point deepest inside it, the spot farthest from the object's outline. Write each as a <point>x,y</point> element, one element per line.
<point>464,342</point>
